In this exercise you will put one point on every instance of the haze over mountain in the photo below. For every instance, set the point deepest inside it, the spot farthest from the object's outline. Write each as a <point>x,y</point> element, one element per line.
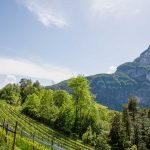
<point>130,79</point>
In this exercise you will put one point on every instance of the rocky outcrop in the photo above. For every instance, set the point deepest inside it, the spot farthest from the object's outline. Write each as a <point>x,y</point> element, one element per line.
<point>144,58</point>
<point>134,70</point>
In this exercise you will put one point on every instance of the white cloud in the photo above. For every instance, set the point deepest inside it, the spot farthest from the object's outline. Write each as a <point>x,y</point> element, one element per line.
<point>7,79</point>
<point>45,12</point>
<point>112,69</point>
<point>10,79</point>
<point>29,69</point>
<point>117,7</point>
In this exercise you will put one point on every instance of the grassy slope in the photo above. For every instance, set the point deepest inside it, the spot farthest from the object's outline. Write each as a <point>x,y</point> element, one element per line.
<point>44,133</point>
<point>40,131</point>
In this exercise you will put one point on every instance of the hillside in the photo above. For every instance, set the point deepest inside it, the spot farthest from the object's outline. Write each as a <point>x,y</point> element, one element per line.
<point>53,119</point>
<point>113,90</point>
<point>31,133</point>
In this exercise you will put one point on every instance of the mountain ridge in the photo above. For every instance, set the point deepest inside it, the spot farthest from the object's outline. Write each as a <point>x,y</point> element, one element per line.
<point>113,90</point>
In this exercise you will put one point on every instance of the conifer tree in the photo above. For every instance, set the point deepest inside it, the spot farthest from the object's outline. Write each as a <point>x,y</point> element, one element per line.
<point>132,106</point>
<point>117,134</point>
<point>127,122</point>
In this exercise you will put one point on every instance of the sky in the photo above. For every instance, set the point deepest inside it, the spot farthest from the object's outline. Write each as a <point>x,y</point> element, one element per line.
<point>53,40</point>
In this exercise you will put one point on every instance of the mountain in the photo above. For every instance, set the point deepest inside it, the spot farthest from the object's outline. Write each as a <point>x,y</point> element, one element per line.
<point>113,90</point>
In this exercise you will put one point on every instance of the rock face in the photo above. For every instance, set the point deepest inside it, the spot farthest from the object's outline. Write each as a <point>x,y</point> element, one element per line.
<point>130,79</point>
<point>144,58</point>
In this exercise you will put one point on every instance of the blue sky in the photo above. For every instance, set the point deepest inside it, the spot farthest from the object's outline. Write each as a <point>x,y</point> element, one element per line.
<point>53,40</point>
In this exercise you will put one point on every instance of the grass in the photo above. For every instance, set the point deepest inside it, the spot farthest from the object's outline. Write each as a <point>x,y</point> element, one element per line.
<point>44,135</point>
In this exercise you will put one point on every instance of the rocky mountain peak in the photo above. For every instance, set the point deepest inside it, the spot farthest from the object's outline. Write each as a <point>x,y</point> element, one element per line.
<point>144,58</point>
<point>139,68</point>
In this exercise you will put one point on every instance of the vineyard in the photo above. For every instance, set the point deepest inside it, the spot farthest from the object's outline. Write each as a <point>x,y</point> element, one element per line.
<point>24,133</point>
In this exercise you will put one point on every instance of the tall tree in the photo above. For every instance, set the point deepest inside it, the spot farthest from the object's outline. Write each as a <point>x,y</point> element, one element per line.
<point>132,106</point>
<point>117,135</point>
<point>26,88</point>
<point>102,142</point>
<point>48,111</point>
<point>84,104</point>
<point>127,122</point>
<point>149,113</point>
<point>60,97</point>
<point>11,93</point>
<point>31,105</point>
<point>37,87</point>
<point>136,134</point>
<point>65,119</point>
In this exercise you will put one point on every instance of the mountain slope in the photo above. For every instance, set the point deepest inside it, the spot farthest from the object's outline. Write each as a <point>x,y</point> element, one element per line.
<point>113,90</point>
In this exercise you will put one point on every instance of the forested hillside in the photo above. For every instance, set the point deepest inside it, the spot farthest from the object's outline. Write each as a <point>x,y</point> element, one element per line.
<point>113,90</point>
<point>75,115</point>
<point>131,128</point>
<point>60,120</point>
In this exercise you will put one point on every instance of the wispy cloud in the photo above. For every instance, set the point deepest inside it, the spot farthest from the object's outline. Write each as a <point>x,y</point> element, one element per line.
<point>117,7</point>
<point>10,79</point>
<point>45,12</point>
<point>27,68</point>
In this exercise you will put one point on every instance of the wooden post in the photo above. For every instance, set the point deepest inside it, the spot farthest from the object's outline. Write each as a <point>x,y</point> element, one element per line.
<point>52,141</point>
<point>21,132</point>
<point>4,123</point>
<point>15,132</point>
<point>33,141</point>
<point>6,128</point>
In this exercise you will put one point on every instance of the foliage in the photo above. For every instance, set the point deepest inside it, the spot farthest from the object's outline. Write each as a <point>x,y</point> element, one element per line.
<point>42,134</point>
<point>31,105</point>
<point>65,119</point>
<point>85,110</point>
<point>47,110</point>
<point>134,128</point>
<point>26,88</point>
<point>117,134</point>
<point>113,90</point>
<point>88,136</point>
<point>22,143</point>
<point>75,114</point>
<point>102,142</point>
<point>11,93</point>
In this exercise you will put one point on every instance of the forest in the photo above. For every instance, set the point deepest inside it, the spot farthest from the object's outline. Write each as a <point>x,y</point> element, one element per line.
<point>77,115</point>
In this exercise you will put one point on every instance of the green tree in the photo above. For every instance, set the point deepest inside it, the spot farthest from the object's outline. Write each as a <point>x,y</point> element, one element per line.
<point>88,137</point>
<point>11,93</point>
<point>132,106</point>
<point>83,103</point>
<point>60,97</point>
<point>37,88</point>
<point>37,84</point>
<point>102,142</point>
<point>31,105</point>
<point>26,88</point>
<point>117,135</point>
<point>136,134</point>
<point>149,113</point>
<point>48,111</point>
<point>134,147</point>
<point>127,122</point>
<point>65,119</point>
